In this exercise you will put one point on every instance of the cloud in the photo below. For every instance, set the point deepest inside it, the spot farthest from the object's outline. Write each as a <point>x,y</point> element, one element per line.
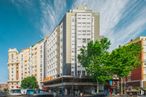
<point>120,20</point>
<point>23,3</point>
<point>52,13</point>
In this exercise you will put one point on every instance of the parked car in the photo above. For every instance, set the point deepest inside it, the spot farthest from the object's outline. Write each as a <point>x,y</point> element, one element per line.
<point>15,92</point>
<point>2,94</point>
<point>38,93</point>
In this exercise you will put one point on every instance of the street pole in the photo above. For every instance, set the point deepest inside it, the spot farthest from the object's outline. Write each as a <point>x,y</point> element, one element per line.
<point>62,86</point>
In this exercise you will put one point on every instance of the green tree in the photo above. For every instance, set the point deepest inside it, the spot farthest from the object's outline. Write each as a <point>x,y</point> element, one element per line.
<point>94,59</point>
<point>125,59</point>
<point>101,64</point>
<point>29,83</point>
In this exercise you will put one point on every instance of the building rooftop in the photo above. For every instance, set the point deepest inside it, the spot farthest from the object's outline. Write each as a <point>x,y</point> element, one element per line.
<point>13,50</point>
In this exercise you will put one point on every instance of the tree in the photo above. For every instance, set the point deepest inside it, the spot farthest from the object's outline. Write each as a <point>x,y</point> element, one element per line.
<point>94,59</point>
<point>101,64</point>
<point>125,59</point>
<point>29,83</point>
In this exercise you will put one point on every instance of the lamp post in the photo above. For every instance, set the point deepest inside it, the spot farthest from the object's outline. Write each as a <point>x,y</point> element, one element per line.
<point>62,86</point>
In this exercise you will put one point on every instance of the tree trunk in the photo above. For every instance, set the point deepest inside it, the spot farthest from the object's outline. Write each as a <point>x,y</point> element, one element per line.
<point>121,86</point>
<point>97,87</point>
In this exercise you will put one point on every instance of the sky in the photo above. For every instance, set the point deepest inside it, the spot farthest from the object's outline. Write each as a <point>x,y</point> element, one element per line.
<point>24,22</point>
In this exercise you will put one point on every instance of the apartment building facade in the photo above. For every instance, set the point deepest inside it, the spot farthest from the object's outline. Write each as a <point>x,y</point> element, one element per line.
<point>24,63</point>
<point>37,61</point>
<point>52,55</point>
<point>27,62</point>
<point>77,28</point>
<point>3,86</point>
<point>80,26</point>
<point>13,68</point>
<point>137,78</point>
<point>54,59</point>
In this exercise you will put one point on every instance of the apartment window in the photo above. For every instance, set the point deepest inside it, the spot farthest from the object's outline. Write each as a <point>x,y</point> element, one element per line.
<point>144,76</point>
<point>144,70</point>
<point>72,73</point>
<point>144,47</point>
<point>83,18</point>
<point>73,20</point>
<point>84,40</point>
<point>144,61</point>
<point>79,73</point>
<point>82,73</point>
<point>144,42</point>
<point>12,56</point>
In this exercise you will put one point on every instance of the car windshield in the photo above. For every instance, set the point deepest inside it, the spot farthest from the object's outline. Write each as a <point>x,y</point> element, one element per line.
<point>16,91</point>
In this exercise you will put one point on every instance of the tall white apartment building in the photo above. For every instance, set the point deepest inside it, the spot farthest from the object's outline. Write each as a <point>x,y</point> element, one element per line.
<point>52,55</point>
<point>24,64</point>
<point>37,61</point>
<point>78,27</point>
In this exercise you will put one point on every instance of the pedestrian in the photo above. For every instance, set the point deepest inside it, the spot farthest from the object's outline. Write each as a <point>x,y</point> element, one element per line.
<point>111,91</point>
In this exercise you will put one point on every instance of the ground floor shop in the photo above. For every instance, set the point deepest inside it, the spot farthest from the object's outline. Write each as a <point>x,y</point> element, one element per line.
<point>71,86</point>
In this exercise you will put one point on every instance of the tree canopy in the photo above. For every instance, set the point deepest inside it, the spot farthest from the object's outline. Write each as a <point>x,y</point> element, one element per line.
<point>29,83</point>
<point>94,59</point>
<point>125,59</point>
<point>101,64</point>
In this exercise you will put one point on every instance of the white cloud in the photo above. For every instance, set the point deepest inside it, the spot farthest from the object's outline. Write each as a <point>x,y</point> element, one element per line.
<point>51,15</point>
<point>132,31</point>
<point>111,14</point>
<point>22,3</point>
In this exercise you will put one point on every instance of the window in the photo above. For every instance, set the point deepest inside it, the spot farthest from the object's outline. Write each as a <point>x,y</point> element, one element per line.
<point>144,47</point>
<point>72,73</point>
<point>83,73</point>
<point>12,56</point>
<point>144,76</point>
<point>144,42</point>
<point>72,19</point>
<point>84,40</point>
<point>144,70</point>
<point>145,56</point>
<point>145,62</point>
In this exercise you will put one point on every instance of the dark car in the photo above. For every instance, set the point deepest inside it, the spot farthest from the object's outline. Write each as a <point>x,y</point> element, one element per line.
<point>2,94</point>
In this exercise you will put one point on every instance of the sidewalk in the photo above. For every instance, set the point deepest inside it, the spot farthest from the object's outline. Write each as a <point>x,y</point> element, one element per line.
<point>125,95</point>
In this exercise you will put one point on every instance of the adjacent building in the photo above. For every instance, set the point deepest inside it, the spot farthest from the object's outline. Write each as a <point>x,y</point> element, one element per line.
<point>3,87</point>
<point>27,62</point>
<point>13,68</point>
<point>24,64</point>
<point>52,55</point>
<point>137,78</point>
<point>37,61</point>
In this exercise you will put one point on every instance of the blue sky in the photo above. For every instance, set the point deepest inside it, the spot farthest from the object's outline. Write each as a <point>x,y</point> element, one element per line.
<point>23,22</point>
